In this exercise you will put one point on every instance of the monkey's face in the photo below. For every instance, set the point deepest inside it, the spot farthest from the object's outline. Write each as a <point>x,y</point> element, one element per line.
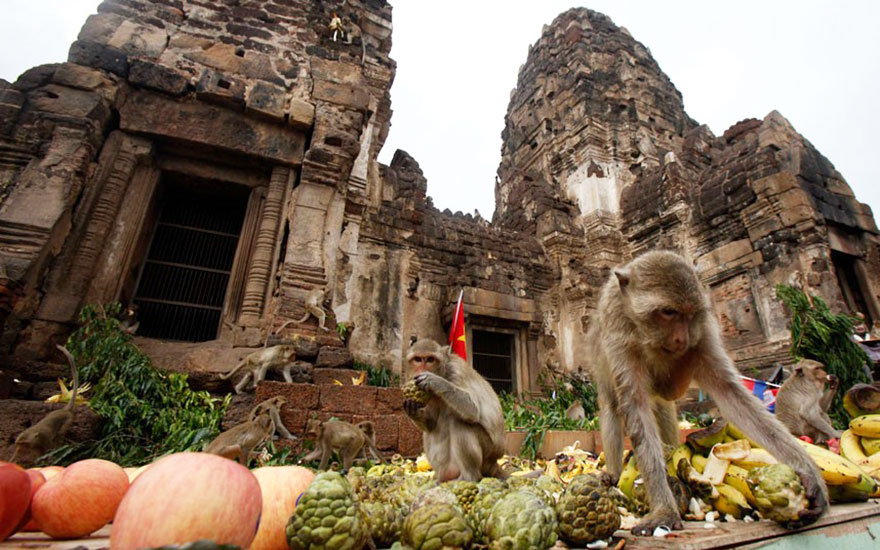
<point>813,372</point>
<point>313,428</point>
<point>674,328</point>
<point>423,362</point>
<point>287,352</point>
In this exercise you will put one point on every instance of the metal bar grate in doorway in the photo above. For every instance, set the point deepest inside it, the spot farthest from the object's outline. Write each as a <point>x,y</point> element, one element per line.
<point>183,283</point>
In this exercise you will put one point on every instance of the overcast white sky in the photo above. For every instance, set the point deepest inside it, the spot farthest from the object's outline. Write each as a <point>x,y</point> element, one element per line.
<point>816,62</point>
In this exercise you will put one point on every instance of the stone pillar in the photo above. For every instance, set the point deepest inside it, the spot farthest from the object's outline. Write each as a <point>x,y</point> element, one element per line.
<point>75,268</point>
<point>261,261</point>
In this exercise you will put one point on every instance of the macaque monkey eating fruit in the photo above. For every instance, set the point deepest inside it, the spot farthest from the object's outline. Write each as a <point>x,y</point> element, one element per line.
<point>346,438</point>
<point>239,442</point>
<point>653,334</point>
<point>802,401</point>
<point>258,364</point>
<point>49,432</point>
<point>461,420</point>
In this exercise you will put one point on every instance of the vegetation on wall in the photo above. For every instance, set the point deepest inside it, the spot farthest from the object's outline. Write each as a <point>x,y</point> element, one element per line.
<point>378,376</point>
<point>146,412</point>
<point>819,334</point>
<point>536,416</point>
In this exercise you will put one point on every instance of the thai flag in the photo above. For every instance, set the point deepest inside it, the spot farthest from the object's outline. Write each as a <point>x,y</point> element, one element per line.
<point>764,391</point>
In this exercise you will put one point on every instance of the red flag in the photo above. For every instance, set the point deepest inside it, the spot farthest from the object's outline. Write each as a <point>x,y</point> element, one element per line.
<point>457,332</point>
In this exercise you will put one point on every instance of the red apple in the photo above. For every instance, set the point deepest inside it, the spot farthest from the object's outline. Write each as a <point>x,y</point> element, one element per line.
<point>27,522</point>
<point>281,487</point>
<point>185,497</point>
<point>15,495</point>
<point>80,500</point>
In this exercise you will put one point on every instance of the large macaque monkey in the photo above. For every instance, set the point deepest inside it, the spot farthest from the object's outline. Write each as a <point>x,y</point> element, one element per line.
<point>49,432</point>
<point>462,423</point>
<point>655,332</point>
<point>258,364</point>
<point>802,401</point>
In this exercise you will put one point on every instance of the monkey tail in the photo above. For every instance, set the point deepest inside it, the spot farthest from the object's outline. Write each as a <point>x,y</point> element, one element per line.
<point>234,370</point>
<point>73,373</point>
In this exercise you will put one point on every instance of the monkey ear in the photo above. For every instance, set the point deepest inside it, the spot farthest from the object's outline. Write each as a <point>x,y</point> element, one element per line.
<point>623,277</point>
<point>446,350</point>
<point>798,370</point>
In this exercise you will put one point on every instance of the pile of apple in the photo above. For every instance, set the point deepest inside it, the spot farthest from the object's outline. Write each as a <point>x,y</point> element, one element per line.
<point>180,498</point>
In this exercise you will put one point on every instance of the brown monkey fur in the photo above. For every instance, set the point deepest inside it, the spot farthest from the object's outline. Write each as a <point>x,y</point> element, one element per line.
<point>314,305</point>
<point>576,411</point>
<point>239,442</point>
<point>462,424</point>
<point>802,401</point>
<point>370,444</point>
<point>344,437</point>
<point>258,364</point>
<point>49,432</point>
<point>653,334</point>
<point>272,407</point>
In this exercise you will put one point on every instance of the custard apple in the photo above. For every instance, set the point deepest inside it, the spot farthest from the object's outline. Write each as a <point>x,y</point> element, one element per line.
<point>412,391</point>
<point>434,526</point>
<point>521,520</point>
<point>328,516</point>
<point>778,492</point>
<point>586,511</point>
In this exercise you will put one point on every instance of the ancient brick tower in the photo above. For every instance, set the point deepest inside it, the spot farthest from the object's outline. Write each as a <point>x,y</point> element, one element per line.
<point>214,161</point>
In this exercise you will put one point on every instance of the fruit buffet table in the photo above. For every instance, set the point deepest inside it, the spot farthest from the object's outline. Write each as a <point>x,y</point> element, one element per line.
<point>851,526</point>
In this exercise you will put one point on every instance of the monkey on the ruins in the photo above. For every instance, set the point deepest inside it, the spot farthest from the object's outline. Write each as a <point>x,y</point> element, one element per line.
<point>258,364</point>
<point>370,444</point>
<point>272,407</point>
<point>462,423</point>
<point>239,442</point>
<point>653,334</point>
<point>802,401</point>
<point>314,305</point>
<point>341,436</point>
<point>129,321</point>
<point>49,432</point>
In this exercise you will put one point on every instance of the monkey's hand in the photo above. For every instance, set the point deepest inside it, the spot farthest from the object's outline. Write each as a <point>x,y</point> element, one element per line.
<point>661,518</point>
<point>833,382</point>
<point>814,490</point>
<point>412,407</point>
<point>430,382</point>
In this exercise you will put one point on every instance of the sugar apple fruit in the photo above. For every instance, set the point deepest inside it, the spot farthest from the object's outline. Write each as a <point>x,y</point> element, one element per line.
<point>436,525</point>
<point>778,492</point>
<point>328,516</point>
<point>491,490</point>
<point>521,520</point>
<point>679,491</point>
<point>412,391</point>
<point>586,511</point>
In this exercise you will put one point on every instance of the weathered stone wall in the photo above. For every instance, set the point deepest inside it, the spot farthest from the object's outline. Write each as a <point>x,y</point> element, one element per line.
<point>598,147</point>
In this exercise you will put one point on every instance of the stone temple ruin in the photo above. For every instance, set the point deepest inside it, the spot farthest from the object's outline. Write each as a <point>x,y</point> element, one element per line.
<point>213,161</point>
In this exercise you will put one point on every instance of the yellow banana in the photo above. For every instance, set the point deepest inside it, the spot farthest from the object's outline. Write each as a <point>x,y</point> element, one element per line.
<point>756,457</point>
<point>731,501</point>
<point>871,465</point>
<point>867,425</point>
<point>835,469</point>
<point>628,477</point>
<point>736,478</point>
<point>871,445</point>
<point>736,433</point>
<point>860,491</point>
<point>699,462</point>
<point>682,452</point>
<point>851,447</point>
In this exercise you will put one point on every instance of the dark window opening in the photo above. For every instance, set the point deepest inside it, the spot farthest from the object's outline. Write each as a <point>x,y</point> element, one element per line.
<point>492,356</point>
<point>847,278</point>
<point>183,282</point>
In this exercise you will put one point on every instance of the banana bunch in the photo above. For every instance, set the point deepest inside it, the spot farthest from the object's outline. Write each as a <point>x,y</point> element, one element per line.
<point>861,444</point>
